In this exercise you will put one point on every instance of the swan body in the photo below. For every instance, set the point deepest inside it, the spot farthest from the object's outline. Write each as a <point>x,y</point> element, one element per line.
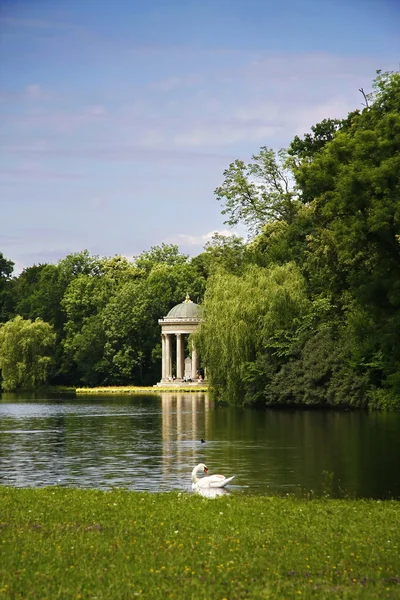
<point>209,481</point>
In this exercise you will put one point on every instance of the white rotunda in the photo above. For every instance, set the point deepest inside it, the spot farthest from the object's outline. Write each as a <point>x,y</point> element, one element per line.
<point>182,320</point>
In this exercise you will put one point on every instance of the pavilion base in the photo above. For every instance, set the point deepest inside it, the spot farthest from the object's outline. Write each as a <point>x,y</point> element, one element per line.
<point>181,384</point>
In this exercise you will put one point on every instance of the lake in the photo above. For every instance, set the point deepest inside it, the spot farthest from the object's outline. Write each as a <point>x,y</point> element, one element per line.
<point>152,442</point>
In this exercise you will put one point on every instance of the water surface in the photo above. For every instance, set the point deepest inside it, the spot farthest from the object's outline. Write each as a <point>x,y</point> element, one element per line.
<point>152,443</point>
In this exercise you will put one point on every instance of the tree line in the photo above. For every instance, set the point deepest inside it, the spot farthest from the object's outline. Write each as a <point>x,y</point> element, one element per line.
<point>304,312</point>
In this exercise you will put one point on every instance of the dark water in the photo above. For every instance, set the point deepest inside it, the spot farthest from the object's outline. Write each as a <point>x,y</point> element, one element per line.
<point>153,442</point>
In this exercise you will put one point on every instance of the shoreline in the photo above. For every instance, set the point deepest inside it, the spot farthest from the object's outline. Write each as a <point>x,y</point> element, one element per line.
<point>128,389</point>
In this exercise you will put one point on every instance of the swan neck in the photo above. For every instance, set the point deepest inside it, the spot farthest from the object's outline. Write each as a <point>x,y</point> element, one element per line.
<point>194,475</point>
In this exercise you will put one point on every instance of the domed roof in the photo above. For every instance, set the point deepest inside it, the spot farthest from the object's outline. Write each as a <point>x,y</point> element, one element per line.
<point>185,310</point>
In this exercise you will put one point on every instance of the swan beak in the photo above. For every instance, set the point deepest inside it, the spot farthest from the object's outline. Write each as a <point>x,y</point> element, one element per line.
<point>205,470</point>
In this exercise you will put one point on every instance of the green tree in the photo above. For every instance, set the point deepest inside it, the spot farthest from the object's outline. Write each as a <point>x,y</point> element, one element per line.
<point>80,263</point>
<point>38,292</point>
<point>311,364</point>
<point>48,292</point>
<point>228,252</point>
<point>25,353</point>
<point>119,268</point>
<point>112,332</point>
<point>306,148</point>
<point>242,314</point>
<point>259,192</point>
<point>39,289</point>
<point>83,345</point>
<point>355,183</point>
<point>6,300</point>
<point>167,254</point>
<point>133,343</point>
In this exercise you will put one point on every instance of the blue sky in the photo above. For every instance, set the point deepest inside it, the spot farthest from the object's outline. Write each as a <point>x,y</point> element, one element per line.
<point>119,118</point>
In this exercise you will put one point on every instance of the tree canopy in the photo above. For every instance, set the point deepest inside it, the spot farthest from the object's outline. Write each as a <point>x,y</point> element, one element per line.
<point>343,234</point>
<point>259,192</point>
<point>6,300</point>
<point>242,313</point>
<point>26,349</point>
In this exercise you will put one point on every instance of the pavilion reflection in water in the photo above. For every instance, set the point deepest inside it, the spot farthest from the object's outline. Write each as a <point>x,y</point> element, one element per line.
<point>185,418</point>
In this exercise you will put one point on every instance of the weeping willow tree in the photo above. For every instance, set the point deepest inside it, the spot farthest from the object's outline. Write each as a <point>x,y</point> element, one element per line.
<point>26,349</point>
<point>241,314</point>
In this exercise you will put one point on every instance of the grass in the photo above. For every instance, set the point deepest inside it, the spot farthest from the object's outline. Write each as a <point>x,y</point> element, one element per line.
<point>131,389</point>
<point>59,543</point>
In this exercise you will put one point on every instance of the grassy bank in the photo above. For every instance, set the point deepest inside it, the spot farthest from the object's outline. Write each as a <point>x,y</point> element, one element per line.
<point>131,389</point>
<point>58,543</point>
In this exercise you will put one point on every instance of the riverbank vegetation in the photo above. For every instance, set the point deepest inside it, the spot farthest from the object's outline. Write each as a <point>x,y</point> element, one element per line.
<point>306,312</point>
<point>67,543</point>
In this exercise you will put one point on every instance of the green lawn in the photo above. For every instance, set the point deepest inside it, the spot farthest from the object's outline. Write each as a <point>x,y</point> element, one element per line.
<point>132,389</point>
<point>67,543</point>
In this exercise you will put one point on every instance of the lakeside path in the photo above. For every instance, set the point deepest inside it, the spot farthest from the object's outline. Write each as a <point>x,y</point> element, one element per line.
<point>62,543</point>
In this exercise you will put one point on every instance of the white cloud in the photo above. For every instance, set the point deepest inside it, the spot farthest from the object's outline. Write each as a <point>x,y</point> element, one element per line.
<point>265,101</point>
<point>34,91</point>
<point>200,239</point>
<point>168,84</point>
<point>18,268</point>
<point>34,23</point>
<point>96,111</point>
<point>224,134</point>
<point>171,83</point>
<point>145,147</point>
<point>28,173</point>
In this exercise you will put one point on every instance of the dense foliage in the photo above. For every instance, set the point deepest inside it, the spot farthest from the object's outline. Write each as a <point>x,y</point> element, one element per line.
<point>342,232</point>
<point>306,312</point>
<point>244,314</point>
<point>104,312</point>
<point>26,350</point>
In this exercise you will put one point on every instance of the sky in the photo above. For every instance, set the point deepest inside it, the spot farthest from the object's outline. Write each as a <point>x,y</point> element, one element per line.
<point>118,118</point>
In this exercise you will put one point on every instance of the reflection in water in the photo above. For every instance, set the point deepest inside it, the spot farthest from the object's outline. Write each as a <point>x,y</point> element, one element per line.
<point>211,492</point>
<point>153,442</point>
<point>184,421</point>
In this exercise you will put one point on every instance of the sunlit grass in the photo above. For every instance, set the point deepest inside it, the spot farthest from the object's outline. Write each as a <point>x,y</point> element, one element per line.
<point>66,543</point>
<point>130,389</point>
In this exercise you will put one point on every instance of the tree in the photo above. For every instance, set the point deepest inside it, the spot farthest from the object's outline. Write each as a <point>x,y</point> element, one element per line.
<point>120,269</point>
<point>6,269</point>
<point>79,263</point>
<point>112,331</point>
<point>84,332</point>
<point>38,292</point>
<point>25,353</point>
<point>166,254</point>
<point>130,320</point>
<point>340,225</point>
<point>242,314</point>
<point>355,185</point>
<point>312,143</point>
<point>228,252</point>
<point>259,192</point>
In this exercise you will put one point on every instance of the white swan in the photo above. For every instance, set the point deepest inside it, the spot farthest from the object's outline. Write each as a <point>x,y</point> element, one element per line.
<point>210,481</point>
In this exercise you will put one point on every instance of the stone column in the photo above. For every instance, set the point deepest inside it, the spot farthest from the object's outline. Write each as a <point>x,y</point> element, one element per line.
<point>194,362</point>
<point>168,356</point>
<point>163,357</point>
<point>179,356</point>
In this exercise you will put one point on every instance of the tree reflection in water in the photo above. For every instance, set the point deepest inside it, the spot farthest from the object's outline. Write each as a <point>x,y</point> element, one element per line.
<point>151,443</point>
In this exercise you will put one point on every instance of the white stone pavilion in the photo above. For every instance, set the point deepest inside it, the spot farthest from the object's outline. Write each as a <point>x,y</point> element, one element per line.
<point>182,320</point>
